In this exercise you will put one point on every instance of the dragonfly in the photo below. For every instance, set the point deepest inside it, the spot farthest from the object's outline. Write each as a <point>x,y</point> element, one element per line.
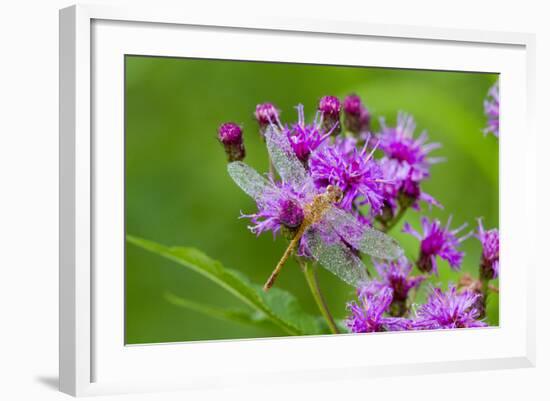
<point>331,234</point>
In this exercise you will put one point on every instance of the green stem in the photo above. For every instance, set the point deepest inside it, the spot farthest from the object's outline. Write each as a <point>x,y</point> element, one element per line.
<point>313,283</point>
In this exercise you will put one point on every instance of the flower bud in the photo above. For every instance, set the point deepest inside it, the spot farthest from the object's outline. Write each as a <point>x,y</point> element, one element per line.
<point>489,266</point>
<point>266,114</point>
<point>231,137</point>
<point>329,106</point>
<point>356,115</point>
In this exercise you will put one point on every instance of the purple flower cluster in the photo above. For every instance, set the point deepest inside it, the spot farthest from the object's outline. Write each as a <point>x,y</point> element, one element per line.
<point>380,176</point>
<point>385,303</point>
<point>443,310</point>
<point>329,157</point>
<point>492,110</point>
<point>346,159</point>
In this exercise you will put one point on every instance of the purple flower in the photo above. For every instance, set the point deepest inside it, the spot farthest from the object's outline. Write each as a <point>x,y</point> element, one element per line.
<point>305,138</point>
<point>356,115</point>
<point>399,144</point>
<point>279,208</point>
<point>406,159</point>
<point>367,316</point>
<point>329,107</point>
<point>492,110</point>
<point>355,172</point>
<point>395,274</point>
<point>231,137</point>
<point>490,256</point>
<point>449,310</point>
<point>437,241</point>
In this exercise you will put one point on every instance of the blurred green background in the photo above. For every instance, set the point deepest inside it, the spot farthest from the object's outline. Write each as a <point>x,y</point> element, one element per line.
<point>179,193</point>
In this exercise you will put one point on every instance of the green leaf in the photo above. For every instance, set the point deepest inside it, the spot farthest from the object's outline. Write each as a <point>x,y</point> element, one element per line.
<point>286,306</point>
<point>254,318</point>
<point>277,305</point>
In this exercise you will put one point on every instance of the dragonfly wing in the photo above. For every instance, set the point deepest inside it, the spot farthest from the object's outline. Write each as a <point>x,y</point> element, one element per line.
<point>248,179</point>
<point>284,159</point>
<point>365,239</point>
<point>379,245</point>
<point>336,257</point>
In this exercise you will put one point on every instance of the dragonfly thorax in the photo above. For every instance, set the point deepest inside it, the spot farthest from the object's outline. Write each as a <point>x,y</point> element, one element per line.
<point>333,193</point>
<point>321,203</point>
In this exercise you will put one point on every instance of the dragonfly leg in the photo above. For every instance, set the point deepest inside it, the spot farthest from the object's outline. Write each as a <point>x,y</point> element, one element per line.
<point>293,243</point>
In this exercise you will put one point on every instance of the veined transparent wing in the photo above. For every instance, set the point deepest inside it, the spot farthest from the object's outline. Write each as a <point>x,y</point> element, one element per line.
<point>367,240</point>
<point>336,257</point>
<point>248,179</point>
<point>285,161</point>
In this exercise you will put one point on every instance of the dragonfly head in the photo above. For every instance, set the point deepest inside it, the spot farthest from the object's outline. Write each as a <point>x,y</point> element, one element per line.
<point>334,193</point>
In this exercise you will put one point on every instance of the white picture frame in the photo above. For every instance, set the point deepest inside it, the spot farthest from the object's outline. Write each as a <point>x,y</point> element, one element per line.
<point>94,360</point>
